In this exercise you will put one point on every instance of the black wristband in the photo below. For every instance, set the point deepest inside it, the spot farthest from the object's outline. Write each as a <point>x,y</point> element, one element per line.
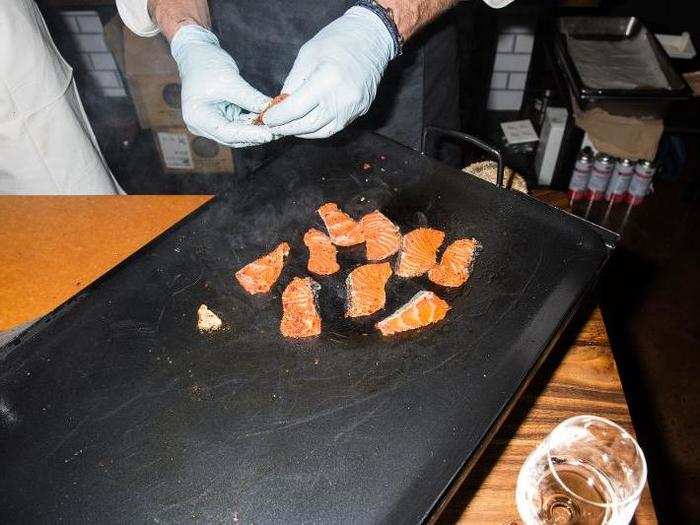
<point>386,16</point>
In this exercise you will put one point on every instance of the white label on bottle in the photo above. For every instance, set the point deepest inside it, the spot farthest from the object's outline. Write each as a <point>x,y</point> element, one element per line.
<point>176,150</point>
<point>598,181</point>
<point>639,185</point>
<point>618,184</point>
<point>579,180</point>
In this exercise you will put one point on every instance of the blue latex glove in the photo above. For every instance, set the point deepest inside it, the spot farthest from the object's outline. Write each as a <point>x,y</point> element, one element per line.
<point>335,77</point>
<point>214,95</point>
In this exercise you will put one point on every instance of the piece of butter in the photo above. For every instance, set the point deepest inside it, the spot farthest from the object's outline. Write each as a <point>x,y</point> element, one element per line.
<point>207,321</point>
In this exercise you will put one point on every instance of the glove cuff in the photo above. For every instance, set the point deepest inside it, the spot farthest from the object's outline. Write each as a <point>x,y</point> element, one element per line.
<point>190,35</point>
<point>387,18</point>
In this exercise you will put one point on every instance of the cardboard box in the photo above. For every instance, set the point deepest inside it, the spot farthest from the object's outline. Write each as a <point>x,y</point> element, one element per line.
<point>182,152</point>
<point>151,75</point>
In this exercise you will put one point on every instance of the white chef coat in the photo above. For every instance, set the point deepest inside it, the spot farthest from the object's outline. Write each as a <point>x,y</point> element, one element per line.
<point>46,143</point>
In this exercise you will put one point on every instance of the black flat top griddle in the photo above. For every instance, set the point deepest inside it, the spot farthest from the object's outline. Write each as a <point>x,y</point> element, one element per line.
<point>116,409</point>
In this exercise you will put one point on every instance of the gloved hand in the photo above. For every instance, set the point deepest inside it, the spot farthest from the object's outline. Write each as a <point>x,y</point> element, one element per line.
<point>214,95</point>
<point>335,77</point>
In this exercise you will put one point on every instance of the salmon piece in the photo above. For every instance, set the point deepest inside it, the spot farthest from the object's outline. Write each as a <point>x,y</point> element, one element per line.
<point>365,289</point>
<point>456,263</point>
<point>342,229</point>
<point>418,252</point>
<point>423,309</point>
<point>300,316</point>
<point>382,237</point>
<point>258,121</point>
<point>261,274</point>
<point>322,253</point>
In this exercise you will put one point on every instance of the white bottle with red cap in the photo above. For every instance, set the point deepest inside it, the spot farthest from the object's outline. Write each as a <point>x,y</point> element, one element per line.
<point>580,175</point>
<point>640,185</point>
<point>600,176</point>
<point>620,180</point>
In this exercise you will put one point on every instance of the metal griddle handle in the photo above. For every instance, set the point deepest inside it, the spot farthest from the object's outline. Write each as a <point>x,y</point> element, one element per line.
<point>427,130</point>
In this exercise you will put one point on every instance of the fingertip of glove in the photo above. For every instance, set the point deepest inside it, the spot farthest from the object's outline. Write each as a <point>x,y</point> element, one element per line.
<point>264,103</point>
<point>276,115</point>
<point>249,133</point>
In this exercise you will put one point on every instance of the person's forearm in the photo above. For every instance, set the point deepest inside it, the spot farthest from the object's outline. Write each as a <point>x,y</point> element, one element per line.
<point>171,15</point>
<point>411,15</point>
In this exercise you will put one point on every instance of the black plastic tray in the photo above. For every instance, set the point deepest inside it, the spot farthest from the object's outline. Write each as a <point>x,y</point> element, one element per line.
<point>115,409</point>
<point>642,100</point>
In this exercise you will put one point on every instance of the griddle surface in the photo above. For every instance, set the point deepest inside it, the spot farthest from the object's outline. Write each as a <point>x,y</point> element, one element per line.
<point>115,409</point>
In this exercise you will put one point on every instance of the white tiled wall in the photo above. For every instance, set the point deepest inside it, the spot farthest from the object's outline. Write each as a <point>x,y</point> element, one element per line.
<point>513,53</point>
<point>499,80</point>
<point>95,60</point>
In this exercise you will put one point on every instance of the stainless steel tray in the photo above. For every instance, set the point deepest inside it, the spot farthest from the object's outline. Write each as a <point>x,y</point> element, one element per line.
<point>616,62</point>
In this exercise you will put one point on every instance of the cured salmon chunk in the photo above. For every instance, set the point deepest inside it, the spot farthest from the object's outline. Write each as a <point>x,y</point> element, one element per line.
<point>261,274</point>
<point>322,253</point>
<point>342,229</point>
<point>423,309</point>
<point>418,252</point>
<point>456,263</point>
<point>382,237</point>
<point>258,121</point>
<point>300,316</point>
<point>365,289</point>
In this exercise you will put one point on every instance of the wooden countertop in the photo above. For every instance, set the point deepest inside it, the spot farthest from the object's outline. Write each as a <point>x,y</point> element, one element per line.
<point>56,246</point>
<point>53,247</point>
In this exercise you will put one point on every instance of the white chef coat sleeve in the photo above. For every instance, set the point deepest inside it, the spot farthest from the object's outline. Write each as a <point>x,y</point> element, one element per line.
<point>134,14</point>
<point>497,4</point>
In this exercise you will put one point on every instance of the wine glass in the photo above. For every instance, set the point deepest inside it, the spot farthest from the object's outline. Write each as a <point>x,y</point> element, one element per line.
<point>589,470</point>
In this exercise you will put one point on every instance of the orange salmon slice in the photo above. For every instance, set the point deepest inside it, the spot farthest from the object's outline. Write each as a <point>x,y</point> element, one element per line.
<point>342,229</point>
<point>259,120</point>
<point>322,253</point>
<point>366,289</point>
<point>418,252</point>
<point>423,309</point>
<point>300,317</point>
<point>261,274</point>
<point>455,266</point>
<point>382,237</point>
